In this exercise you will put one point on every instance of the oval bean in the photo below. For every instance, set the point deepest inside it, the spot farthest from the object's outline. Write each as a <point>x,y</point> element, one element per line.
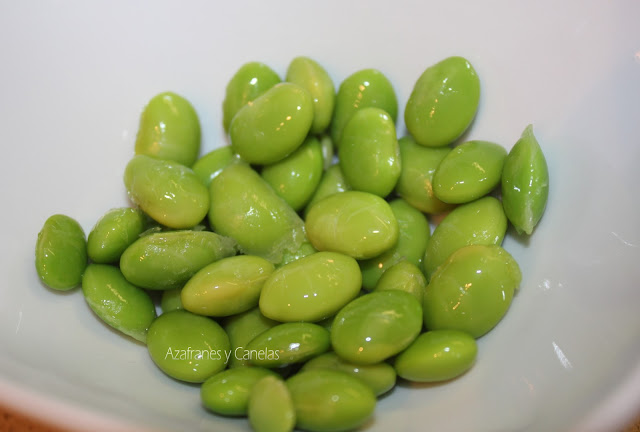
<point>226,287</point>
<point>167,260</point>
<point>169,130</point>
<point>241,329</point>
<point>117,302</point>
<point>443,102</point>
<point>227,392</point>
<point>479,222</point>
<point>188,347</point>
<point>376,326</point>
<point>362,89</point>
<point>369,152</point>
<point>311,288</point>
<point>273,126</point>
<point>168,192</point>
<point>210,165</point>
<point>114,233</point>
<point>270,406</point>
<point>358,224</point>
<point>472,290</point>
<point>380,377</point>
<point>248,83</point>
<point>296,177</point>
<point>469,171</point>
<point>525,183</point>
<point>288,343</point>
<point>309,75</point>
<point>244,207</point>
<point>437,355</point>
<point>403,276</point>
<point>332,182</point>
<point>61,253</point>
<point>326,400</point>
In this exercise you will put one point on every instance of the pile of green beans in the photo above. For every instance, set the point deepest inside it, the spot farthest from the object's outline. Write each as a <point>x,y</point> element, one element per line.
<point>295,288</point>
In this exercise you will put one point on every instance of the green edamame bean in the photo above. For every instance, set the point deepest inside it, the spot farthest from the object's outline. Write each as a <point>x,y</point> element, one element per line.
<point>61,253</point>
<point>169,129</point>
<point>306,249</point>
<point>171,300</point>
<point>210,165</point>
<point>415,183</point>
<point>114,233</point>
<point>437,355</point>
<point>241,329</point>
<point>273,126</point>
<point>479,222</point>
<point>288,343</point>
<point>117,302</point>
<point>309,75</point>
<point>358,224</point>
<point>376,326</point>
<point>227,287</point>
<point>311,288</point>
<point>443,102</point>
<point>403,276</point>
<point>369,152</point>
<point>469,171</point>
<point>413,236</point>
<point>296,177</point>
<point>270,406</point>
<point>332,181</point>
<point>244,207</point>
<point>249,82</point>
<point>227,392</point>
<point>328,401</point>
<point>380,377</point>
<point>167,260</point>
<point>168,192</point>
<point>365,88</point>
<point>188,347</point>
<point>472,290</point>
<point>525,183</point>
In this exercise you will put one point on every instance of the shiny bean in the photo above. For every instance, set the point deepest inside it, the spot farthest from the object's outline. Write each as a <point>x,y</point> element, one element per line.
<point>249,82</point>
<point>443,102</point>
<point>117,302</point>
<point>227,392</point>
<point>61,253</point>
<point>472,290</point>
<point>479,222</point>
<point>403,276</point>
<point>358,224</point>
<point>212,164</point>
<point>226,287</point>
<point>296,177</point>
<point>413,236</point>
<point>437,355</point>
<point>288,343</point>
<point>415,183</point>
<point>168,192</point>
<point>311,288</point>
<point>332,182</point>
<point>525,183</point>
<point>376,326</point>
<point>242,328</point>
<point>114,233</point>
<point>380,377</point>
<point>245,207</point>
<point>327,400</point>
<point>270,406</point>
<point>369,153</point>
<point>309,75</point>
<point>169,130</point>
<point>273,126</point>
<point>167,260</point>
<point>188,347</point>
<point>469,171</point>
<point>362,89</point>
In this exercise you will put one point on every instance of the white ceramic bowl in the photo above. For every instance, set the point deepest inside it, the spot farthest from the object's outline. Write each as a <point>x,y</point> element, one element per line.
<point>76,74</point>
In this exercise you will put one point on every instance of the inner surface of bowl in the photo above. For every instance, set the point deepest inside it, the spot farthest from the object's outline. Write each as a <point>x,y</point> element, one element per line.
<point>76,75</point>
